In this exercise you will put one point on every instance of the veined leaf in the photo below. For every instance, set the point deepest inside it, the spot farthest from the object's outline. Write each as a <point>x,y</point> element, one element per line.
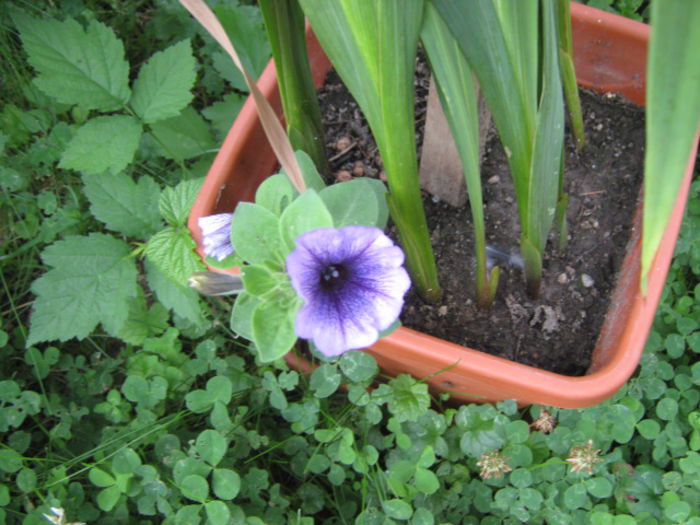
<point>76,65</point>
<point>175,202</point>
<point>91,281</point>
<point>672,114</point>
<point>105,143</point>
<point>177,297</point>
<point>244,26</point>
<point>172,250</point>
<point>184,136</point>
<point>163,86</point>
<point>125,206</point>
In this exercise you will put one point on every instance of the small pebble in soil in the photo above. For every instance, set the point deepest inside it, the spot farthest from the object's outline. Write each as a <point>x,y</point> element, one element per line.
<point>586,280</point>
<point>358,169</point>
<point>442,311</point>
<point>494,180</point>
<point>343,143</point>
<point>343,176</point>
<point>563,278</point>
<point>382,176</point>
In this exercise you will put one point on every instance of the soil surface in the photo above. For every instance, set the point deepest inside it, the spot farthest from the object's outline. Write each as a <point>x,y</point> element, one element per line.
<point>558,331</point>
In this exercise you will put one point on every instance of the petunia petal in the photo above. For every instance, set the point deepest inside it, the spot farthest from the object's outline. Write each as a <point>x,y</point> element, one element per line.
<point>350,314</point>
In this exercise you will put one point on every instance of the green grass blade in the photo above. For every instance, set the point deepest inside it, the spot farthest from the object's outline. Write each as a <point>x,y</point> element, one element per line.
<point>519,20</point>
<point>477,28</point>
<point>373,47</point>
<point>543,183</point>
<point>284,21</point>
<point>672,113</point>
<point>568,72</point>
<point>455,82</point>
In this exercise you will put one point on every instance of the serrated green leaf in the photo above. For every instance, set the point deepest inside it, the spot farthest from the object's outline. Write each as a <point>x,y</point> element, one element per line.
<point>163,86</point>
<point>125,206</point>
<point>179,298</point>
<point>244,27</point>
<point>184,136</point>
<point>176,202</point>
<point>91,282</point>
<point>172,251</point>
<point>143,322</point>
<point>409,399</point>
<point>76,65</point>
<point>105,143</point>
<point>222,114</point>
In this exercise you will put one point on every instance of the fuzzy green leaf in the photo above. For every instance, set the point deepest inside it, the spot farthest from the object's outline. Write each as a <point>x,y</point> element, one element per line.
<point>175,202</point>
<point>91,282</point>
<point>255,234</point>
<point>172,251</point>
<point>106,143</point>
<point>76,65</point>
<point>182,300</point>
<point>163,86</point>
<point>125,206</point>
<point>306,213</point>
<point>273,329</point>
<point>184,136</point>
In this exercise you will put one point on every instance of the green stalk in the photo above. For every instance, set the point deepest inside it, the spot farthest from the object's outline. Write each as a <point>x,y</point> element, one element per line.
<point>456,88</point>
<point>568,72</point>
<point>372,46</point>
<point>284,21</point>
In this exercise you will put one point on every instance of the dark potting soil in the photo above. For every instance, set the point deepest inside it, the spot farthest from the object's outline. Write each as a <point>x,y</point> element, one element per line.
<point>557,331</point>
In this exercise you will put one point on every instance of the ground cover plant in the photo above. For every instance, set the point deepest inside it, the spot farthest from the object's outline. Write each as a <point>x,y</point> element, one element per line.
<point>166,417</point>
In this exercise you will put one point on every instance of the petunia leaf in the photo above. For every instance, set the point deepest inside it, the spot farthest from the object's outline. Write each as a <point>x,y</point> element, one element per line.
<point>306,213</point>
<point>273,329</point>
<point>349,203</point>
<point>275,193</point>
<point>255,234</point>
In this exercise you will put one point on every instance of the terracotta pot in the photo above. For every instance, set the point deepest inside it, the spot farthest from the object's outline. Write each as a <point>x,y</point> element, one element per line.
<point>610,56</point>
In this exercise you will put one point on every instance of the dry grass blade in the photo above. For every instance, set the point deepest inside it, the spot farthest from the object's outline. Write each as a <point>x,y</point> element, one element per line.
<point>273,129</point>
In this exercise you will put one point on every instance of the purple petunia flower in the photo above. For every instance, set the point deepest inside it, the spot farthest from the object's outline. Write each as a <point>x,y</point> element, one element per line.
<point>216,235</point>
<point>353,283</point>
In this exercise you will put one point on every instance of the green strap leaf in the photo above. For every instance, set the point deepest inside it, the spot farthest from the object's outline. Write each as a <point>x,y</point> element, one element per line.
<point>672,114</point>
<point>163,86</point>
<point>76,65</point>
<point>91,281</point>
